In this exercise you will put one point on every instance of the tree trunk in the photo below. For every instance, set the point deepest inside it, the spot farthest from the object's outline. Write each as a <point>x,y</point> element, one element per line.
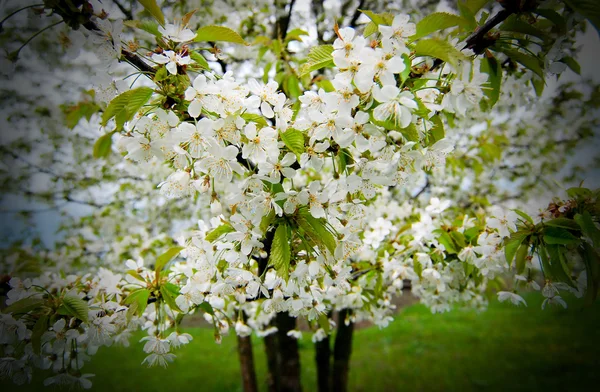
<point>323,362</point>
<point>341,353</point>
<point>288,351</point>
<point>247,364</point>
<point>273,359</point>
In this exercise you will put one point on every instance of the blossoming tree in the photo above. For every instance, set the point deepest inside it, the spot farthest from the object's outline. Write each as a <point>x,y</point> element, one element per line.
<point>328,174</point>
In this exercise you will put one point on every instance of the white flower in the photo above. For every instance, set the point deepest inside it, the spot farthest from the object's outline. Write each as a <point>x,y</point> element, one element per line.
<point>400,29</point>
<point>171,59</point>
<point>159,359</point>
<point>221,163</point>
<point>156,345</point>
<point>394,105</point>
<point>275,169</point>
<point>176,32</point>
<point>513,297</point>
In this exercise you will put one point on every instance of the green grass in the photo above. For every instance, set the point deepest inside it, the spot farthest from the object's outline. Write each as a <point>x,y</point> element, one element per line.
<point>503,349</point>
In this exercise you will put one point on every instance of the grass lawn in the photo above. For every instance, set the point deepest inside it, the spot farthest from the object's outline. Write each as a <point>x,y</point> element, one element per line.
<point>503,349</point>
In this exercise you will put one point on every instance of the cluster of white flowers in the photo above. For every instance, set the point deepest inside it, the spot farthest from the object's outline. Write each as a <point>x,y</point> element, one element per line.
<point>323,176</point>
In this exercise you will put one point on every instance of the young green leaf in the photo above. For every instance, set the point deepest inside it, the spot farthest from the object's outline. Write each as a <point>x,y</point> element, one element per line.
<point>280,256</point>
<point>218,34</point>
<point>510,250</point>
<point>169,297</point>
<point>521,257</point>
<point>318,57</point>
<point>102,146</point>
<point>386,18</point>
<point>491,66</point>
<point>199,59</point>
<point>528,61</point>
<point>565,223</point>
<point>588,9</point>
<point>124,106</point>
<point>76,307</point>
<point>559,236</point>
<point>588,227</point>
<point>41,326</point>
<point>591,259</point>
<point>437,21</point>
<point>316,230</point>
<point>140,299</point>
<point>24,305</point>
<point>294,140</point>
<point>440,49</point>
<point>154,10</point>
<point>163,259</point>
<point>217,232</point>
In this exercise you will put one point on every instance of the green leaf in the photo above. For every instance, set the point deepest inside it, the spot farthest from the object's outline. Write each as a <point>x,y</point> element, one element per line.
<point>24,305</point>
<point>154,10</point>
<point>217,232</point>
<point>199,59</point>
<point>41,326</point>
<point>559,236</point>
<point>552,16</point>
<point>467,13</point>
<point>577,193</point>
<point>510,250</point>
<point>169,298</point>
<point>140,299</point>
<point>324,323</point>
<point>316,230</point>
<point>124,106</point>
<point>76,307</point>
<point>458,238</point>
<point>163,259</point>
<point>437,131</point>
<point>572,63</point>
<point>257,118</point>
<point>475,5</point>
<point>516,25</point>
<point>591,259</point>
<point>523,215</point>
<point>588,9</point>
<point>266,221</point>
<point>491,66</point>
<point>280,255</point>
<point>292,87</point>
<point>521,257</point>
<point>528,61</point>
<point>588,227</point>
<point>295,34</point>
<point>102,146</point>
<point>538,85</point>
<point>565,223</point>
<point>437,21</point>
<point>440,49</point>
<point>380,19</point>
<point>558,265</point>
<point>294,140</point>
<point>218,34</point>
<point>318,57</point>
<point>407,67</point>
<point>145,25</point>
<point>207,308</point>
<point>446,240</point>
<point>370,29</point>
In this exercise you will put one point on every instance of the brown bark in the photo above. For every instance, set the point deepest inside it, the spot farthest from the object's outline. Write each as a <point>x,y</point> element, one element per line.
<point>289,371</point>
<point>341,353</point>
<point>247,364</point>
<point>273,359</point>
<point>323,362</point>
